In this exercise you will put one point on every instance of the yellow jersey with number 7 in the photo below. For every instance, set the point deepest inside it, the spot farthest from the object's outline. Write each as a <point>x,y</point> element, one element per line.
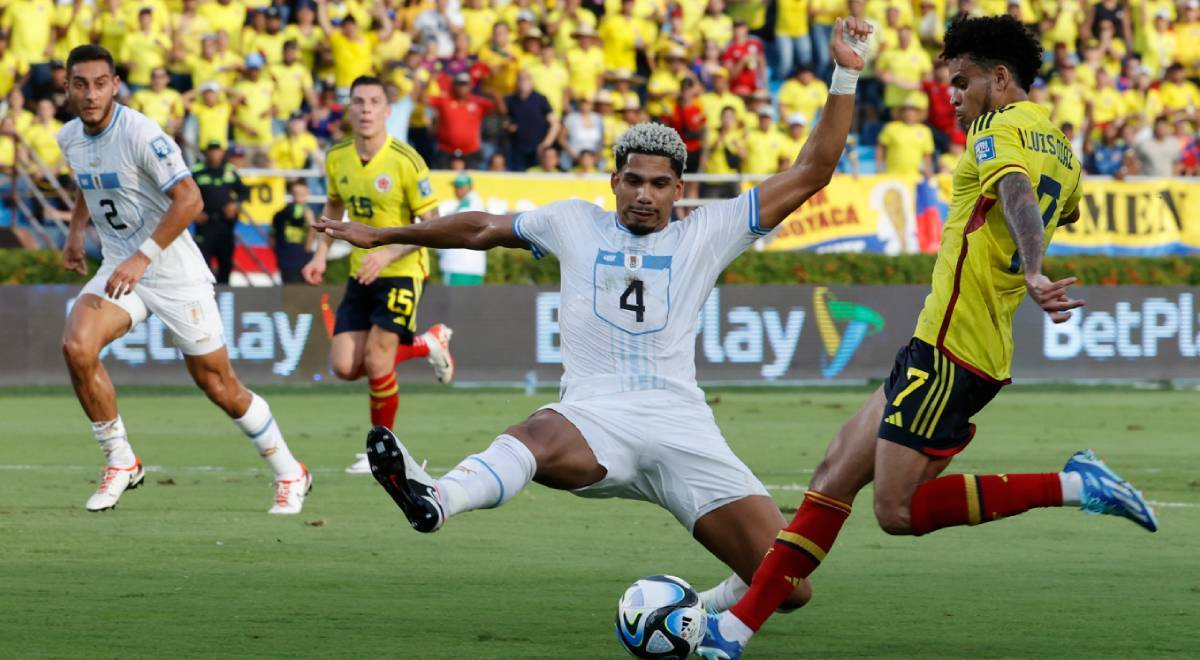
<point>978,281</point>
<point>390,190</point>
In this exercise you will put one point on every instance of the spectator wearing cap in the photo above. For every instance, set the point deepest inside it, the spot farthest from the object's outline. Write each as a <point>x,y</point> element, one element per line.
<point>13,70</point>
<point>463,267</point>
<point>307,33</point>
<point>551,78</point>
<point>293,85</point>
<point>188,28</point>
<point>211,113</point>
<point>1068,95</point>
<point>905,144</point>
<point>160,103</point>
<point>143,50</point>
<point>632,111</point>
<point>222,192</point>
<point>564,23</point>
<point>460,122</point>
<point>531,124</point>
<point>803,93</point>
<point>764,145</point>
<point>582,130</point>
<point>292,233</point>
<point>794,137</point>
<point>270,38</point>
<point>942,118</point>
<point>478,19</point>
<point>624,35</point>
<point>715,26</point>
<point>351,50</point>
<point>228,16</point>
<point>1177,92</point>
<point>623,82</point>
<point>501,60</point>
<point>746,59</point>
<point>612,122</point>
<point>902,68</point>
<point>296,149</point>
<point>530,48</point>
<point>253,107</point>
<point>520,12</point>
<point>1162,44</point>
<point>719,98</point>
<point>585,63</point>
<point>792,43</point>
<point>663,86</point>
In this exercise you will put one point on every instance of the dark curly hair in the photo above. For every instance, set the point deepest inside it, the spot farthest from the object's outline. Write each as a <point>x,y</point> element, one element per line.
<point>993,40</point>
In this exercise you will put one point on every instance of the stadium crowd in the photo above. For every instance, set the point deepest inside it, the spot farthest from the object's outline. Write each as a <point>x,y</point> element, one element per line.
<point>518,85</point>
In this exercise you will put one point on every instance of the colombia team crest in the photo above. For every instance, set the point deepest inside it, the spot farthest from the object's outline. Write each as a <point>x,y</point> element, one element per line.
<point>383,183</point>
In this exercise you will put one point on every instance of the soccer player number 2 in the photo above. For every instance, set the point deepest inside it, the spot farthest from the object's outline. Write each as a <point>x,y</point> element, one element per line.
<point>635,291</point>
<point>110,215</point>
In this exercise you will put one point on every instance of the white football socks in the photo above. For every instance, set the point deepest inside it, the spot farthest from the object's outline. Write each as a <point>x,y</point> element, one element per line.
<point>259,425</point>
<point>724,595</point>
<point>733,629</point>
<point>489,478</point>
<point>114,443</point>
<point>1072,488</point>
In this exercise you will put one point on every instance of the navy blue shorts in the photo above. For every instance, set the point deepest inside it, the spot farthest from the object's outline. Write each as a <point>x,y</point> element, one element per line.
<point>388,302</point>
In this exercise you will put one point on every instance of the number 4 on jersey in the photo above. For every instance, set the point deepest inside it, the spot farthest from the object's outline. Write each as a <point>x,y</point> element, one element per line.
<point>638,307</point>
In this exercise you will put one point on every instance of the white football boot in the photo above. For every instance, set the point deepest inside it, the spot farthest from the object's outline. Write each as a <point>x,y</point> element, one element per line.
<point>437,338</point>
<point>290,494</point>
<point>114,482</point>
<point>361,465</point>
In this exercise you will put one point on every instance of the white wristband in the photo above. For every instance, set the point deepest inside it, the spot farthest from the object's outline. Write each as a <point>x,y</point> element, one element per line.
<point>150,249</point>
<point>844,81</point>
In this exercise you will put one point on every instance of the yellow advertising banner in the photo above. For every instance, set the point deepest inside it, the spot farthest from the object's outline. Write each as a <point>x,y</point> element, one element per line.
<point>863,214</point>
<point>510,193</point>
<point>1152,218</point>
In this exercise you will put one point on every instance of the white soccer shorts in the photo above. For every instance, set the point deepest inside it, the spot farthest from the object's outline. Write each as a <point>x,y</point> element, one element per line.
<point>663,448</point>
<point>189,313</point>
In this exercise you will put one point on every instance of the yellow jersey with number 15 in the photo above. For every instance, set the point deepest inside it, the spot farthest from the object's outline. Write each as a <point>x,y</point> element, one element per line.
<point>390,190</point>
<point>977,281</point>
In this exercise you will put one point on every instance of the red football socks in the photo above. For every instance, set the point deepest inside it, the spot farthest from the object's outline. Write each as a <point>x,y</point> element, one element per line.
<point>966,499</point>
<point>797,552</point>
<point>385,399</point>
<point>415,350</point>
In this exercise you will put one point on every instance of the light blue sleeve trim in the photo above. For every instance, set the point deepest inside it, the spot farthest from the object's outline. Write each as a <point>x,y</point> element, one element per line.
<point>179,176</point>
<point>755,228</point>
<point>533,247</point>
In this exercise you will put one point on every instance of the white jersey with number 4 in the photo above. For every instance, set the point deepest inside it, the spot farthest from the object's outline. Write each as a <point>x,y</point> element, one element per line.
<point>125,172</point>
<point>630,303</point>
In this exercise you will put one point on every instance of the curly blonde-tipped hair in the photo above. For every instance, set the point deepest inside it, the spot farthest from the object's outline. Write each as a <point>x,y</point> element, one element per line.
<point>652,140</point>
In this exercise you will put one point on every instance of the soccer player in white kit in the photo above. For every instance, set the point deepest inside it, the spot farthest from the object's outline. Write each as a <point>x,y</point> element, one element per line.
<point>631,421</point>
<point>132,182</point>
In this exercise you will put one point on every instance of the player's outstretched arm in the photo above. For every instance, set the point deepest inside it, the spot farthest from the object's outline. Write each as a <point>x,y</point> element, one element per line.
<point>473,230</point>
<point>1024,221</point>
<point>783,193</point>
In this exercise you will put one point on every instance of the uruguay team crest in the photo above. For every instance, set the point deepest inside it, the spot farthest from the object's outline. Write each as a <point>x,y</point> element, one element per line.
<point>633,262</point>
<point>383,183</point>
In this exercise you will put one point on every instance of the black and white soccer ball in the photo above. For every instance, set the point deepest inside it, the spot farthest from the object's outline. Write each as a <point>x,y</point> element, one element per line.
<point>660,617</point>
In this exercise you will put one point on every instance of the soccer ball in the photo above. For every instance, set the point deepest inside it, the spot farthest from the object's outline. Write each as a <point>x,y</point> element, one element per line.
<point>660,617</point>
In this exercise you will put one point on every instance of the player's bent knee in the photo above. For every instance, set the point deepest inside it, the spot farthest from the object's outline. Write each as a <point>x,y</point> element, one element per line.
<point>346,371</point>
<point>79,352</point>
<point>893,518</point>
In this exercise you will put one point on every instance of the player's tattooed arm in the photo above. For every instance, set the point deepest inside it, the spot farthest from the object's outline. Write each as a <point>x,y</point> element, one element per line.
<point>473,230</point>
<point>783,193</point>
<point>1024,221</point>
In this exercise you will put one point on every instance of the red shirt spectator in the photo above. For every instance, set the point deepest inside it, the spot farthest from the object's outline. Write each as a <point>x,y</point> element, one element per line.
<point>941,112</point>
<point>743,57</point>
<point>460,118</point>
<point>688,120</point>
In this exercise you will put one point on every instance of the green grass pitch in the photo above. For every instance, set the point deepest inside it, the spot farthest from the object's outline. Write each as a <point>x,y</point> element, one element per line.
<point>191,566</point>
